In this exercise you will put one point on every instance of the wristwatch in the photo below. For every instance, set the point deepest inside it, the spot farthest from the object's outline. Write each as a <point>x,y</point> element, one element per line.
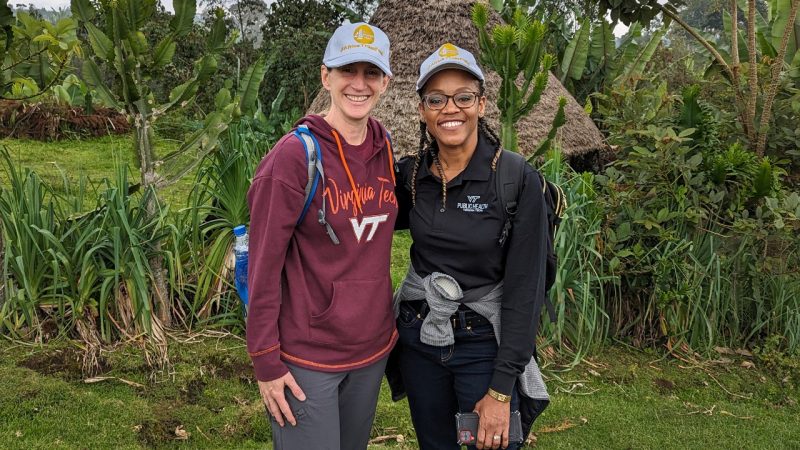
<point>498,396</point>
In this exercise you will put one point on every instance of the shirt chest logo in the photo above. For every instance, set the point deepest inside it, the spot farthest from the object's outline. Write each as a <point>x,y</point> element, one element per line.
<point>372,221</point>
<point>472,205</point>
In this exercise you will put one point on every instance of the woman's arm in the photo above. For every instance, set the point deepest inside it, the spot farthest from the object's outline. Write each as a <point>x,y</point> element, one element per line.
<point>523,284</point>
<point>275,198</point>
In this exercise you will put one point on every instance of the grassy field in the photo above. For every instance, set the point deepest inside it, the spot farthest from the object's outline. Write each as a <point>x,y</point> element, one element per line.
<point>67,160</point>
<point>207,398</point>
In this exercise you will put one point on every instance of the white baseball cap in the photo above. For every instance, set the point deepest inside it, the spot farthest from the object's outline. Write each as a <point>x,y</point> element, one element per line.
<point>358,42</point>
<point>448,56</point>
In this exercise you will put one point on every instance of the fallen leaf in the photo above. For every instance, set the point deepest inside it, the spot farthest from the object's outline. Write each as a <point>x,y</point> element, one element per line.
<point>724,351</point>
<point>726,413</point>
<point>96,379</point>
<point>137,428</point>
<point>181,434</point>
<point>389,437</point>
<point>594,372</point>
<point>748,364</point>
<point>743,352</point>
<point>563,426</point>
<point>131,383</point>
<point>722,361</point>
<point>99,379</point>
<point>18,434</point>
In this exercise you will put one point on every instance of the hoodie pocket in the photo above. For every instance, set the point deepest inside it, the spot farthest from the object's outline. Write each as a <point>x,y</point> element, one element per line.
<point>360,311</point>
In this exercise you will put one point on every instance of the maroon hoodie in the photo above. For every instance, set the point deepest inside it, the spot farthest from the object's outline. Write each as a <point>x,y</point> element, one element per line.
<point>312,303</point>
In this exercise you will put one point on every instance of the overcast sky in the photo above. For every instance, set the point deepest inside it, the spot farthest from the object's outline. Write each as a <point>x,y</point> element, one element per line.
<point>43,3</point>
<point>60,3</point>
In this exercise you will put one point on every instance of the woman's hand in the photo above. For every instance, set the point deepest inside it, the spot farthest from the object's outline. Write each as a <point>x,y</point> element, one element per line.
<point>494,419</point>
<point>274,396</point>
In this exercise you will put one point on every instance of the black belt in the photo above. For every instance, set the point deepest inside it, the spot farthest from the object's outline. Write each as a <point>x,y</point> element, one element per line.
<point>463,318</point>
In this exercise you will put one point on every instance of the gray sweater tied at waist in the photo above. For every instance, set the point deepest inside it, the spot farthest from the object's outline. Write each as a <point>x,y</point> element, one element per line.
<point>443,295</point>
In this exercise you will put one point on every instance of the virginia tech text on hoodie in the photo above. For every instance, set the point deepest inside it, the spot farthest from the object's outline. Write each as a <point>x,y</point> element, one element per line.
<point>312,303</point>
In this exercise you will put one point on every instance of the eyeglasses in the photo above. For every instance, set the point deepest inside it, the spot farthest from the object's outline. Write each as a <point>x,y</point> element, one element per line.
<point>462,100</point>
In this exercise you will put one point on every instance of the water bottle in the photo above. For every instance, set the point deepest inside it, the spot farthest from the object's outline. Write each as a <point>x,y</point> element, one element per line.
<point>240,251</point>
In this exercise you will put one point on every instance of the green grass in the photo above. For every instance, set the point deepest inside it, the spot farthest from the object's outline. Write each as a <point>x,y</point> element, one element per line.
<point>94,158</point>
<point>619,399</point>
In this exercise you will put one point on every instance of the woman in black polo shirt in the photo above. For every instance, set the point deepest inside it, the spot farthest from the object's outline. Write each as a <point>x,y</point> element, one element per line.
<point>468,308</point>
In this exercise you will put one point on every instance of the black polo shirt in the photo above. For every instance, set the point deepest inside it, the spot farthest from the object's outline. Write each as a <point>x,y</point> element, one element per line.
<point>460,238</point>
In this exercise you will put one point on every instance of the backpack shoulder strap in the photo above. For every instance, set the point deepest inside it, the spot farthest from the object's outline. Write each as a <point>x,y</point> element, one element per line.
<point>508,185</point>
<point>313,154</point>
<point>508,182</point>
<point>316,176</point>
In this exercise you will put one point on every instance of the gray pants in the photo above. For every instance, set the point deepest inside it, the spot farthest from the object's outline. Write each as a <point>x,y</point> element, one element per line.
<point>338,411</point>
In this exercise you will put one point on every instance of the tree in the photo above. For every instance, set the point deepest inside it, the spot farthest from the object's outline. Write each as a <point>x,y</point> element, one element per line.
<point>771,43</point>
<point>34,53</point>
<point>641,11</point>
<point>295,35</point>
<point>246,16</point>
<point>122,48</point>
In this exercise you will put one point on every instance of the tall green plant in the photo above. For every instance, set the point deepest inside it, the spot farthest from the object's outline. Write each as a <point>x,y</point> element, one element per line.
<point>702,243</point>
<point>218,203</point>
<point>86,271</point>
<point>582,324</point>
<point>513,50</point>
<point>122,47</point>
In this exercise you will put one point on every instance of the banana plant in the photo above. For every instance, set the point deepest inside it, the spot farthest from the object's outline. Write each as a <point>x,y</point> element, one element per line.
<point>577,53</point>
<point>121,49</point>
<point>515,49</point>
<point>591,59</point>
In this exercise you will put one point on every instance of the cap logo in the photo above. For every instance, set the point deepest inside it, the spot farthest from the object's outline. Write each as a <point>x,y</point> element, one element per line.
<point>448,50</point>
<point>364,35</point>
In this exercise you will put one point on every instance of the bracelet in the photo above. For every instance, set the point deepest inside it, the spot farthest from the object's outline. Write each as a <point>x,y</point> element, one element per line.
<point>498,396</point>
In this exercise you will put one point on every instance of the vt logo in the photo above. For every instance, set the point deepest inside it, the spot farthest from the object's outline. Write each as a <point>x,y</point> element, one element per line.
<point>373,221</point>
<point>473,198</point>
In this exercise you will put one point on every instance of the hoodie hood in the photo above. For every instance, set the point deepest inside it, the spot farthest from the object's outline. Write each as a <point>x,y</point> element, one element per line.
<point>322,131</point>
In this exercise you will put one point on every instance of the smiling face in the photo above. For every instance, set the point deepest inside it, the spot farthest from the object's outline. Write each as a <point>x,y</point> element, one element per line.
<point>355,90</point>
<point>453,128</point>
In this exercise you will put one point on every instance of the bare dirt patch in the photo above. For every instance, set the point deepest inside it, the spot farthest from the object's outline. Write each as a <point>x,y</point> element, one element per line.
<point>156,433</point>
<point>66,363</point>
<point>230,368</point>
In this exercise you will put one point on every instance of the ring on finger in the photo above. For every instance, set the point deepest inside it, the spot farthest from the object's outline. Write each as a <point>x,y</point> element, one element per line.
<point>497,437</point>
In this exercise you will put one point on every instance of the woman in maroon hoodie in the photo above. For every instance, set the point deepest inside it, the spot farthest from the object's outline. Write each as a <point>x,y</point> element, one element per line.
<point>320,323</point>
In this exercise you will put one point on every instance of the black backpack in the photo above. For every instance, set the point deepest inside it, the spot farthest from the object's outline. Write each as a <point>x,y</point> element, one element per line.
<point>508,180</point>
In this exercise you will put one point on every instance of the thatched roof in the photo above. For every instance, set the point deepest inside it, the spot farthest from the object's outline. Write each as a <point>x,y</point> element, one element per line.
<point>416,29</point>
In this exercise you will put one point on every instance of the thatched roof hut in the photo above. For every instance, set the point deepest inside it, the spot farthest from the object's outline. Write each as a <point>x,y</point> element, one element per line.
<point>416,29</point>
